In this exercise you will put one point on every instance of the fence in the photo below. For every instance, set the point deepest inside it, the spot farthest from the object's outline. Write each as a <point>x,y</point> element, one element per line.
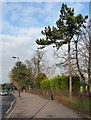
<point>80,102</point>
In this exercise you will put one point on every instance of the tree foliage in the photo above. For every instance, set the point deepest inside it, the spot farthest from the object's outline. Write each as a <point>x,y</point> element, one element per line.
<point>21,75</point>
<point>68,26</point>
<point>39,78</point>
<point>8,86</point>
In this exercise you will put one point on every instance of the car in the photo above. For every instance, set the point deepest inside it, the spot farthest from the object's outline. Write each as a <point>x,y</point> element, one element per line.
<point>6,90</point>
<point>3,92</point>
<point>10,90</point>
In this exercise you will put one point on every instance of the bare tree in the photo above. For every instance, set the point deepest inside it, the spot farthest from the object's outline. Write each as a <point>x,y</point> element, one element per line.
<point>84,50</point>
<point>80,58</point>
<point>38,61</point>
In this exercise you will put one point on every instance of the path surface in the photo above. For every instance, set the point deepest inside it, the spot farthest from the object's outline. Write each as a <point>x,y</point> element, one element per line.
<point>33,106</point>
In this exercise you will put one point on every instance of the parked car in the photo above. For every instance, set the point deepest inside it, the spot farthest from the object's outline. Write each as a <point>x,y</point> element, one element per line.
<point>3,92</point>
<point>6,90</point>
<point>10,90</point>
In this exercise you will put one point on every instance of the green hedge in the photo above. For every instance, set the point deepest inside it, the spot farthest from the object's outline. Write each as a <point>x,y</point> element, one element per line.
<point>75,84</point>
<point>45,84</point>
<point>55,83</point>
<point>61,83</point>
<point>64,83</point>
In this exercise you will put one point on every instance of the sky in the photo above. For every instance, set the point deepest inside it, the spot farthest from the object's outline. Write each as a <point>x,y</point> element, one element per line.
<point>21,24</point>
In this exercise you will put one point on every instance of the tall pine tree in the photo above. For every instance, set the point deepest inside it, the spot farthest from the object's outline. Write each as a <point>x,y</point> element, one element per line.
<point>68,26</point>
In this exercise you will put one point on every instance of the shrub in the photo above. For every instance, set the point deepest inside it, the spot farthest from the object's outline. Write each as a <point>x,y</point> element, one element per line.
<point>75,84</point>
<point>64,82</point>
<point>55,83</point>
<point>45,84</point>
<point>59,83</point>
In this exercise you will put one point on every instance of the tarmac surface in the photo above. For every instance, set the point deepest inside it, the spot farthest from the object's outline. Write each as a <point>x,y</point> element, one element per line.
<point>6,103</point>
<point>32,106</point>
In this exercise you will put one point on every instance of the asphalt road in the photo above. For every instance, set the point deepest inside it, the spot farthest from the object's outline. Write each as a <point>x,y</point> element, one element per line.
<point>6,103</point>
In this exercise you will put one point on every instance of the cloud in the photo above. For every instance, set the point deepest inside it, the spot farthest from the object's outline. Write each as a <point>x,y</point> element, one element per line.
<point>18,13</point>
<point>8,28</point>
<point>24,37</point>
<point>78,7</point>
<point>22,45</point>
<point>29,14</point>
<point>22,24</point>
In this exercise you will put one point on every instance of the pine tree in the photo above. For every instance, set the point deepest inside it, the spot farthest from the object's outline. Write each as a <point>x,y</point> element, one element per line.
<point>68,26</point>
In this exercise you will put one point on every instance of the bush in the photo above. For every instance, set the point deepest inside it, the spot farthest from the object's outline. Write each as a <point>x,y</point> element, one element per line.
<point>61,83</point>
<point>75,84</point>
<point>55,83</point>
<point>45,84</point>
<point>64,83</point>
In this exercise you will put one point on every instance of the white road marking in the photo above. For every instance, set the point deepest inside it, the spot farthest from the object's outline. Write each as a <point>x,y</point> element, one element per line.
<point>10,106</point>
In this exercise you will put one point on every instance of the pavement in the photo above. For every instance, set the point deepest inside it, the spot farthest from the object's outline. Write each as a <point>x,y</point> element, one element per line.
<point>32,106</point>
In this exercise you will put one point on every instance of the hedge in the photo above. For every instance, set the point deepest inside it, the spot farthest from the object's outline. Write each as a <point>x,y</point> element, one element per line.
<point>45,84</point>
<point>75,84</point>
<point>55,83</point>
<point>61,83</point>
<point>64,83</point>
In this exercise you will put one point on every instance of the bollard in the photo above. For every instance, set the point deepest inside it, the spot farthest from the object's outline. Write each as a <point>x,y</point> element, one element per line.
<point>51,96</point>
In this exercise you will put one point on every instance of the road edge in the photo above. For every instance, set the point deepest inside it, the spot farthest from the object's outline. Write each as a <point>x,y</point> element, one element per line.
<point>12,108</point>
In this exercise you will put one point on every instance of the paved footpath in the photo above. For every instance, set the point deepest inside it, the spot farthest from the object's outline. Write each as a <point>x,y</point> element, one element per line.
<point>33,106</point>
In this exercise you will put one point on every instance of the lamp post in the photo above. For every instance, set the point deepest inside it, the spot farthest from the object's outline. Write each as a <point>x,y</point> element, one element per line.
<point>18,74</point>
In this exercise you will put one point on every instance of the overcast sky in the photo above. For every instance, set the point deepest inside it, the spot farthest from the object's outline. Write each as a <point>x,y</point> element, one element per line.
<point>22,23</point>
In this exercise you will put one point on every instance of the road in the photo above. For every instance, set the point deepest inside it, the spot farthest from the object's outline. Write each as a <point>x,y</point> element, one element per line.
<point>6,103</point>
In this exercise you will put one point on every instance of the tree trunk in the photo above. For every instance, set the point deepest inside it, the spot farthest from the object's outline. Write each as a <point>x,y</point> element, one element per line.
<point>77,62</point>
<point>70,76</point>
<point>38,66</point>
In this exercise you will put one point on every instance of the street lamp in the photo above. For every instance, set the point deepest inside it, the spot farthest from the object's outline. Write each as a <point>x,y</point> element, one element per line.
<point>18,74</point>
